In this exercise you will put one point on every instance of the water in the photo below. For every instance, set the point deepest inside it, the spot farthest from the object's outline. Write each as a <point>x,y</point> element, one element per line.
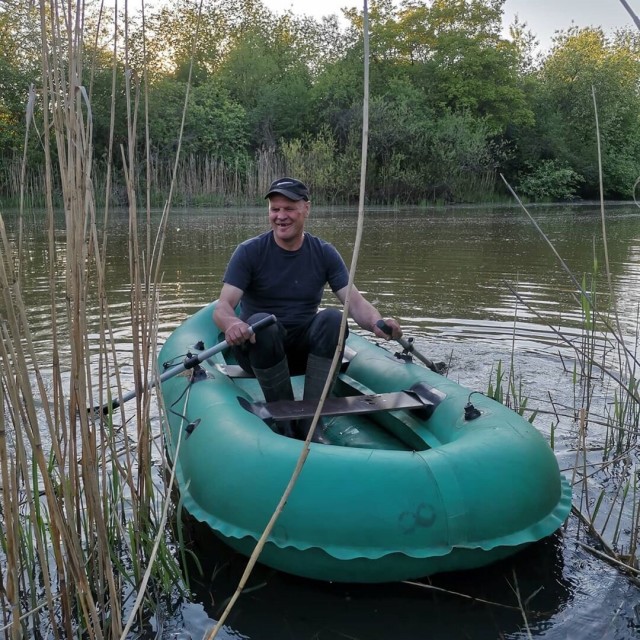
<point>448,276</point>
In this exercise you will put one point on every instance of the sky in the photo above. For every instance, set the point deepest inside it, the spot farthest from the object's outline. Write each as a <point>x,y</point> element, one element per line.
<point>543,17</point>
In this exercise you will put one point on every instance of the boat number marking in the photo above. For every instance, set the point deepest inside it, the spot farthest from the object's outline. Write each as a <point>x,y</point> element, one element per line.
<point>423,516</point>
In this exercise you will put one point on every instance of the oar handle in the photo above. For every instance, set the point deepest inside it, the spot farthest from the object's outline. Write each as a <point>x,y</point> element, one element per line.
<point>409,348</point>
<point>190,362</point>
<point>193,361</point>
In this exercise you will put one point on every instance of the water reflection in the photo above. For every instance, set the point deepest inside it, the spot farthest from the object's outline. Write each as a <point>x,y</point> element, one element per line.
<point>557,583</point>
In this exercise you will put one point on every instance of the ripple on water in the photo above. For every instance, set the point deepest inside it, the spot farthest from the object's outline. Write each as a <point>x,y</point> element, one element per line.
<point>449,275</point>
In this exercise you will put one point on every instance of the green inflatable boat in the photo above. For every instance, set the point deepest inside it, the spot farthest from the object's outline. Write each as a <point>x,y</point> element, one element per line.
<point>422,476</point>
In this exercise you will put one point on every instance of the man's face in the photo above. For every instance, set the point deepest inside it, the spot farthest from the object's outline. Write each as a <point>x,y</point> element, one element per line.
<point>287,219</point>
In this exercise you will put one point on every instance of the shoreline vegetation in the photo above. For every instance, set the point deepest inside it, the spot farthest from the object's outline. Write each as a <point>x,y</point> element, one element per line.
<point>453,104</point>
<point>122,111</point>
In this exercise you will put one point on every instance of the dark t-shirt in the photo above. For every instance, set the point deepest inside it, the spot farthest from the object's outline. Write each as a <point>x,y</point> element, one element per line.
<point>288,284</point>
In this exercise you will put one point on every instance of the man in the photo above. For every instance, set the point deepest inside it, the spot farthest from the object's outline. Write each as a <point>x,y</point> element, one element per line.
<point>284,272</point>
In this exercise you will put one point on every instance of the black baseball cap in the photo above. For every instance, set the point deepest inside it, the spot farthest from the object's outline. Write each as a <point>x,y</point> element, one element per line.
<point>289,188</point>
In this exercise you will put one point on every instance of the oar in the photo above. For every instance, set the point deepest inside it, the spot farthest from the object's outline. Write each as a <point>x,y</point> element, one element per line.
<point>190,362</point>
<point>437,367</point>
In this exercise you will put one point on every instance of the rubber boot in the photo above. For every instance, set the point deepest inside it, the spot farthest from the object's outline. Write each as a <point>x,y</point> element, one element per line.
<point>315,378</point>
<point>275,383</point>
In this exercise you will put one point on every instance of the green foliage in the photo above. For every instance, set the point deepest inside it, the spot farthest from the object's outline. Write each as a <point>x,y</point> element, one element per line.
<point>463,155</point>
<point>313,160</point>
<point>272,84</point>
<point>170,46</point>
<point>19,47</point>
<point>456,50</point>
<point>10,112</point>
<point>444,159</point>
<point>103,99</point>
<point>336,96</point>
<point>584,61</point>
<point>451,100</point>
<point>215,125</point>
<point>549,181</point>
<point>514,397</point>
<point>415,155</point>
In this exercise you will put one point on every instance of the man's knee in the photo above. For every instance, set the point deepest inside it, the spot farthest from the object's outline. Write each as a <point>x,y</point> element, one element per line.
<point>268,349</point>
<point>270,335</point>
<point>325,331</point>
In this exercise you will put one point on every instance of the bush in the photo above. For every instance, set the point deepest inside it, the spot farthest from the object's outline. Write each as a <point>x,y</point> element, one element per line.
<point>550,181</point>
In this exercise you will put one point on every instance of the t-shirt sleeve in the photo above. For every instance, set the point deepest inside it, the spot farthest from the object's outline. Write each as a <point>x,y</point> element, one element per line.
<point>238,272</point>
<point>337,272</point>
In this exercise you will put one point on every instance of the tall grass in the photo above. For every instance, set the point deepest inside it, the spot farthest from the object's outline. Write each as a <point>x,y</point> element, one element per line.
<point>605,430</point>
<point>82,525</point>
<point>606,413</point>
<point>209,181</point>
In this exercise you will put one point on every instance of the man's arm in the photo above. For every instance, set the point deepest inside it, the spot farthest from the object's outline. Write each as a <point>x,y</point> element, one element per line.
<point>235,330</point>
<point>366,315</point>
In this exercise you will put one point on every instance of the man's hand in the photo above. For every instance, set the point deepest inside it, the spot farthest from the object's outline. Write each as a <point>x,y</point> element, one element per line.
<point>238,332</point>
<point>392,327</point>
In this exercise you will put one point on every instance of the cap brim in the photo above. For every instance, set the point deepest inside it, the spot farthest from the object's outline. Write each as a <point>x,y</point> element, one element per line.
<point>287,194</point>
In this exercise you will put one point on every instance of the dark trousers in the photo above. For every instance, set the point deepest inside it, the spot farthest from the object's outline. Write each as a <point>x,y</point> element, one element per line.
<point>319,336</point>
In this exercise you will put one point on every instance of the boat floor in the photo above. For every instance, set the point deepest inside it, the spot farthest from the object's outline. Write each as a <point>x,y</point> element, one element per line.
<point>353,417</point>
<point>349,405</point>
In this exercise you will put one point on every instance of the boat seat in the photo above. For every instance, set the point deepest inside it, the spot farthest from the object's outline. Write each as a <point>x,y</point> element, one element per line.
<point>236,371</point>
<point>419,398</point>
<point>233,370</point>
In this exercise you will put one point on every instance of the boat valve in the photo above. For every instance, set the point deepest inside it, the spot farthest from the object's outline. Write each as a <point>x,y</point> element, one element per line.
<point>470,412</point>
<point>191,426</point>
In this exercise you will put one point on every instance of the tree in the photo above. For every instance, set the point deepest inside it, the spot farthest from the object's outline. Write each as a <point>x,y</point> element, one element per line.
<point>465,61</point>
<point>581,62</point>
<point>19,66</point>
<point>336,96</point>
<point>175,33</point>
<point>548,181</point>
<point>264,73</point>
<point>105,95</point>
<point>454,51</point>
<point>215,125</point>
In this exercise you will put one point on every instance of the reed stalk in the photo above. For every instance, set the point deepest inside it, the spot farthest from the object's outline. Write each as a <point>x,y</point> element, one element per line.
<point>83,517</point>
<point>604,354</point>
<point>337,355</point>
<point>521,604</point>
<point>611,517</point>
